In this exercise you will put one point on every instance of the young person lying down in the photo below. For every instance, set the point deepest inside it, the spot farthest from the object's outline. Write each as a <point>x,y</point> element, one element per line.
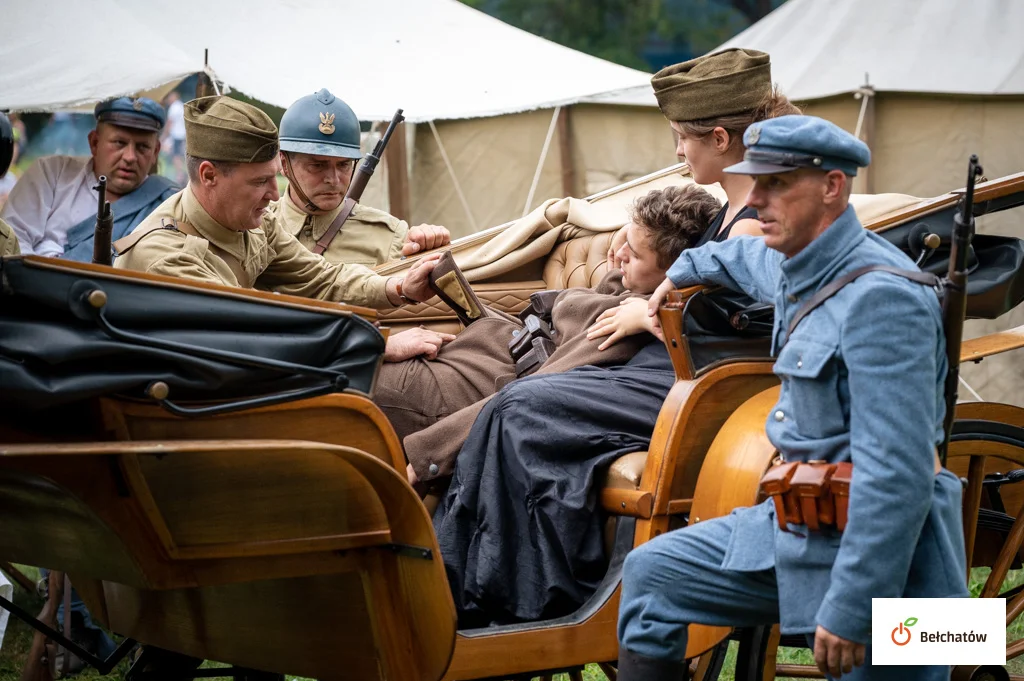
<point>432,401</point>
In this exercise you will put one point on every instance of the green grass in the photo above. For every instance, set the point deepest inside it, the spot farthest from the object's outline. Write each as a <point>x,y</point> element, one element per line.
<point>18,640</point>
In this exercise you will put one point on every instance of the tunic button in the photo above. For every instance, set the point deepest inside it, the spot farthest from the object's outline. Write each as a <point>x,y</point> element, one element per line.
<point>779,415</point>
<point>791,298</point>
<point>799,364</point>
<point>433,469</point>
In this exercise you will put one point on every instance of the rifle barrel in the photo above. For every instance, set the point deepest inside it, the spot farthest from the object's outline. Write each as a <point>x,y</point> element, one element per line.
<point>954,303</point>
<point>104,227</point>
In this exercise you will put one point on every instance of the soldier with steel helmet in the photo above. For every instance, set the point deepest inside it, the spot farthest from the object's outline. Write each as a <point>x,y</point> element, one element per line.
<point>319,151</point>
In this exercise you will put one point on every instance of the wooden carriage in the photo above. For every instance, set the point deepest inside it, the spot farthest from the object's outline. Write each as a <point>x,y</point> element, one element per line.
<point>284,537</point>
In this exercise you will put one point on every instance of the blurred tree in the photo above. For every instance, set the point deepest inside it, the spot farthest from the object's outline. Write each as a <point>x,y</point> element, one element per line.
<point>643,34</point>
<point>615,30</point>
<point>754,10</point>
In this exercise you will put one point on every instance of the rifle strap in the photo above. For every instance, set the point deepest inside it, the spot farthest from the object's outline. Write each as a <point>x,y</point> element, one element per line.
<point>824,294</point>
<point>324,242</point>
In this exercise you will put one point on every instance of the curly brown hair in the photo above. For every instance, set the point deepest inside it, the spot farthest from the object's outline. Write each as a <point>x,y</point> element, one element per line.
<point>674,218</point>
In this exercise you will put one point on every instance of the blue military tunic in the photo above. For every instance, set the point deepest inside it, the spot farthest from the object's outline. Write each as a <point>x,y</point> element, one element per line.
<point>862,380</point>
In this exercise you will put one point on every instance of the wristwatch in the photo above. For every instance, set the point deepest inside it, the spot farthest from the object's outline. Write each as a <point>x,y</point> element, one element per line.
<point>398,289</point>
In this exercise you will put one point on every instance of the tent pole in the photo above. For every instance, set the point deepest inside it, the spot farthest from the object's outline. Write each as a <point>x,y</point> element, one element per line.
<point>543,157</point>
<point>398,175</point>
<point>565,145</point>
<point>451,173</point>
<point>866,129</point>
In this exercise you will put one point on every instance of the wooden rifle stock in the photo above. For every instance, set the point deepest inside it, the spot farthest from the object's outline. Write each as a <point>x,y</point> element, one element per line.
<point>954,301</point>
<point>365,170</point>
<point>104,226</point>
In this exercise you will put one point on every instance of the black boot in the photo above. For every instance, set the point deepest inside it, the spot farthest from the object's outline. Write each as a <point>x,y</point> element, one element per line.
<point>633,667</point>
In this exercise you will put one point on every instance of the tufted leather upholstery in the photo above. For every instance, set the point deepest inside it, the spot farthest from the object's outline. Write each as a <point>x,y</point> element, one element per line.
<point>578,262</point>
<point>626,471</point>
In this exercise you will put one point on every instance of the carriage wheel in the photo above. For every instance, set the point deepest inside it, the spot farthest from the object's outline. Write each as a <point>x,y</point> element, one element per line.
<point>978,447</point>
<point>987,438</point>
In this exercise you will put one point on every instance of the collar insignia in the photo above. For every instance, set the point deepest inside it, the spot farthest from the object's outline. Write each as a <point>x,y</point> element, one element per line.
<point>327,123</point>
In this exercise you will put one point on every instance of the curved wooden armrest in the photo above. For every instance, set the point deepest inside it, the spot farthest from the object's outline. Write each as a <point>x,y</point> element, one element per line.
<point>670,316</point>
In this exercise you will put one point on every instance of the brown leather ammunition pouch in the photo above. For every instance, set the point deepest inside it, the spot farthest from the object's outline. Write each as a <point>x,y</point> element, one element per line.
<point>532,345</point>
<point>541,305</point>
<point>815,494</point>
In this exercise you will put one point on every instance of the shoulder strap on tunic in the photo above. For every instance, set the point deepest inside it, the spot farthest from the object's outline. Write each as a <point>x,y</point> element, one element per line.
<point>127,243</point>
<point>824,294</point>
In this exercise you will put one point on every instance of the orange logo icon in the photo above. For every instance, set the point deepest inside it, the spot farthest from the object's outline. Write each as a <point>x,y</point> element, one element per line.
<point>901,635</point>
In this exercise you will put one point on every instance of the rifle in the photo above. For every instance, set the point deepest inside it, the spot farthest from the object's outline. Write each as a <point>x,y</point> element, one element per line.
<point>104,226</point>
<point>954,301</point>
<point>360,177</point>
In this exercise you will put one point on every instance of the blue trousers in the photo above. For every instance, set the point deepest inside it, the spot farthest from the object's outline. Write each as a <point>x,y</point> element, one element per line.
<point>677,578</point>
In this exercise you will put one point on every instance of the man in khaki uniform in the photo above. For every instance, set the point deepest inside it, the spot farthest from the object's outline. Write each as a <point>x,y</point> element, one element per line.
<point>217,229</point>
<point>8,242</point>
<point>319,151</point>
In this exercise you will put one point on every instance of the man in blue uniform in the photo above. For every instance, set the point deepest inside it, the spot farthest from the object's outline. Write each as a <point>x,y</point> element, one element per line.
<point>862,378</point>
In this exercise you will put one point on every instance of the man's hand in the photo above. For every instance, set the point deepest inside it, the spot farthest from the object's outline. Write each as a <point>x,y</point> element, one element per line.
<point>614,263</point>
<point>416,284</point>
<point>413,343</point>
<point>835,655</point>
<point>424,238</point>
<point>628,319</point>
<point>655,301</point>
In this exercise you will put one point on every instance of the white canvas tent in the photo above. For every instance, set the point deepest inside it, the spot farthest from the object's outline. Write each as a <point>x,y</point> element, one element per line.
<point>487,90</point>
<point>945,79</point>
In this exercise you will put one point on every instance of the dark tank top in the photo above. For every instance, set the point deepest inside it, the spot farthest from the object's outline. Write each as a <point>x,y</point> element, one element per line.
<point>712,234</point>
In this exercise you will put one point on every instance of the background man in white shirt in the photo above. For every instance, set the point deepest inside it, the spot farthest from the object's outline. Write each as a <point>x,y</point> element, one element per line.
<point>52,208</point>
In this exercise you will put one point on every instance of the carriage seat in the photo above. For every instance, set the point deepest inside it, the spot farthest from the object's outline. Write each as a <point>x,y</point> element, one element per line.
<point>578,262</point>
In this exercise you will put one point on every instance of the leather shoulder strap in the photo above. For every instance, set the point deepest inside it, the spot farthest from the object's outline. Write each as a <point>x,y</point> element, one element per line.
<point>127,243</point>
<point>824,294</point>
<point>324,242</point>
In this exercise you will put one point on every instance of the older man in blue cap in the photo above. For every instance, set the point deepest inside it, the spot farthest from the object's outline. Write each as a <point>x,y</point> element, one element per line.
<point>52,208</point>
<point>862,373</point>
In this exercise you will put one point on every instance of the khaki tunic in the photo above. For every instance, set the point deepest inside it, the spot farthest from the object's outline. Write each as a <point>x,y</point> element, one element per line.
<point>271,257</point>
<point>8,242</point>
<point>369,236</point>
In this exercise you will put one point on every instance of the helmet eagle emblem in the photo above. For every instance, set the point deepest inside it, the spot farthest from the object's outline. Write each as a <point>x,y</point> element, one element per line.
<point>327,123</point>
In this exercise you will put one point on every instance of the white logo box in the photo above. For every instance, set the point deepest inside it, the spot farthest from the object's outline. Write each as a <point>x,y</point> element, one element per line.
<point>938,631</point>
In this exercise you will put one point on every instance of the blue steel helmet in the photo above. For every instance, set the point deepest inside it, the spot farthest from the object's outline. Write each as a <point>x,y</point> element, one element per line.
<point>320,124</point>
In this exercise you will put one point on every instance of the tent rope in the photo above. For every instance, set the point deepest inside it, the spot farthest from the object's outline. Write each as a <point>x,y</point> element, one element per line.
<point>543,157</point>
<point>972,390</point>
<point>451,173</point>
